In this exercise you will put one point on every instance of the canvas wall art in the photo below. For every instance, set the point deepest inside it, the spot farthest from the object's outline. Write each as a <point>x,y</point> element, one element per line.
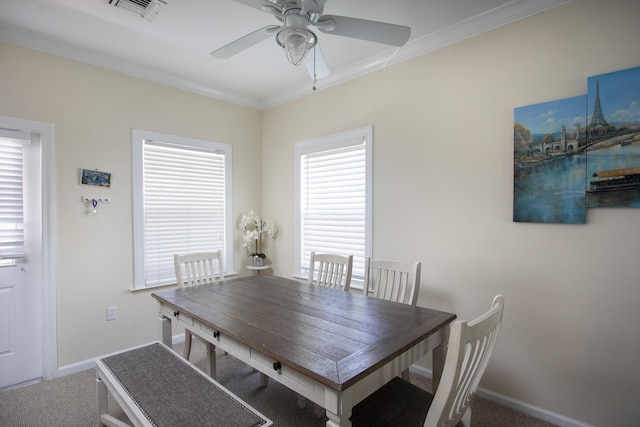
<point>549,162</point>
<point>577,153</point>
<point>613,153</point>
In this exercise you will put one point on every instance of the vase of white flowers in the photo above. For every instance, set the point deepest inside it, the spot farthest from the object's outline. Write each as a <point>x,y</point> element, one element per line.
<point>253,227</point>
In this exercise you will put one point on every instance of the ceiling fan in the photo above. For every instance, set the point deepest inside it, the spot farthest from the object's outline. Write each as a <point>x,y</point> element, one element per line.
<point>295,37</point>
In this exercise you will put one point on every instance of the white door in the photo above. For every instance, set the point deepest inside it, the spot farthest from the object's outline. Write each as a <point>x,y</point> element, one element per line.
<point>20,335</point>
<point>22,283</point>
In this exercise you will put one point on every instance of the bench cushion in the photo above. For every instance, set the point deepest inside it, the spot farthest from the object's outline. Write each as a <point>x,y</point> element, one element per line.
<point>172,392</point>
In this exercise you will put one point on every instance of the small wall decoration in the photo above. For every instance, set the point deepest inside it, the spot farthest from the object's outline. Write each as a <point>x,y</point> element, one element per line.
<point>95,177</point>
<point>93,203</point>
<point>577,153</point>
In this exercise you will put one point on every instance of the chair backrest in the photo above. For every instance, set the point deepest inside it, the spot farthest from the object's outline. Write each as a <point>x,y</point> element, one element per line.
<point>330,271</point>
<point>198,268</point>
<point>392,280</point>
<point>468,353</point>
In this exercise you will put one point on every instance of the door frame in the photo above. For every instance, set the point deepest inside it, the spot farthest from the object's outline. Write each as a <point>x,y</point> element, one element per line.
<point>48,217</point>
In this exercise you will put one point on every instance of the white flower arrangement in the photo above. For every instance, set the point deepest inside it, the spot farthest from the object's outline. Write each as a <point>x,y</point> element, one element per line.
<point>253,227</point>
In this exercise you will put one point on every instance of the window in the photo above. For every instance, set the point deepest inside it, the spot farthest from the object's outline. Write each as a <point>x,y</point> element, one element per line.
<point>11,195</point>
<point>333,198</point>
<point>182,203</point>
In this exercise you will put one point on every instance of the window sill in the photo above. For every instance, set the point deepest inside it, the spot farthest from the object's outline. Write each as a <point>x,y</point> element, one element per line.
<point>152,288</point>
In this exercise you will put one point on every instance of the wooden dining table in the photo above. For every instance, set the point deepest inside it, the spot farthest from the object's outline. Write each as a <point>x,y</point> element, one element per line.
<point>329,346</point>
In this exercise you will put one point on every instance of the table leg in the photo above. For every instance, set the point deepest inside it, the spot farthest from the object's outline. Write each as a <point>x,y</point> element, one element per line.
<point>338,409</point>
<point>211,360</point>
<point>334,420</point>
<point>438,366</point>
<point>165,331</point>
<point>439,354</point>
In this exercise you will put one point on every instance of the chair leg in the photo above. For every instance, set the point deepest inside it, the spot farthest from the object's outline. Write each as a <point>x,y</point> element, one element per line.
<point>103,401</point>
<point>466,418</point>
<point>302,401</point>
<point>405,375</point>
<point>318,411</point>
<point>187,344</point>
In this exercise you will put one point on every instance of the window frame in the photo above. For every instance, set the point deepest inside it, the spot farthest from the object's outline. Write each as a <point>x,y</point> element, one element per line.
<point>329,142</point>
<point>19,141</point>
<point>138,138</point>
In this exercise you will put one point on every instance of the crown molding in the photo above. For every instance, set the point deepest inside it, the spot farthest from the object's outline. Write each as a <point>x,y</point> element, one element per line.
<point>77,53</point>
<point>504,15</point>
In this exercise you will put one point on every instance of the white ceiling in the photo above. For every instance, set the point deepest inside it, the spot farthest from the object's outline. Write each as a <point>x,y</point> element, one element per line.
<point>174,48</point>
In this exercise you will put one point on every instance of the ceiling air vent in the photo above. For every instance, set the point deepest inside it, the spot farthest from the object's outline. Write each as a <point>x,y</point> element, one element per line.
<point>147,9</point>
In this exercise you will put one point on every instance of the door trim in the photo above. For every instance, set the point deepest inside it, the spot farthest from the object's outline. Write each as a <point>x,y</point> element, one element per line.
<point>48,188</point>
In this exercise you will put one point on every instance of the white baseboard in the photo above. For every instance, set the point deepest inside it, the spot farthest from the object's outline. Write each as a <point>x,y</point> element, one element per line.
<point>525,408</point>
<point>90,363</point>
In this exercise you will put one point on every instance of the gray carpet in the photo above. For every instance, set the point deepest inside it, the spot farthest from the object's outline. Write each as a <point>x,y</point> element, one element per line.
<point>70,401</point>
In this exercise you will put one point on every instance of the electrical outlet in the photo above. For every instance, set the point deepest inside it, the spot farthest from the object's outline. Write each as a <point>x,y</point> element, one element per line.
<point>112,313</point>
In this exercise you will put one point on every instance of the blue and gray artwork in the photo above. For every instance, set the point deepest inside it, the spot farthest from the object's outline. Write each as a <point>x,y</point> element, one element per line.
<point>613,152</point>
<point>549,162</point>
<point>578,153</point>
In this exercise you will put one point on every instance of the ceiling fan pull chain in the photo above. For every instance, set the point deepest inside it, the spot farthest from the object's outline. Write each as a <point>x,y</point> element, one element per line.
<point>314,69</point>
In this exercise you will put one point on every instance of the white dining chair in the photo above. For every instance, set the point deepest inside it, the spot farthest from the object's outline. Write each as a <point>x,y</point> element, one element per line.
<point>198,268</point>
<point>395,281</point>
<point>330,270</point>
<point>392,280</point>
<point>401,403</point>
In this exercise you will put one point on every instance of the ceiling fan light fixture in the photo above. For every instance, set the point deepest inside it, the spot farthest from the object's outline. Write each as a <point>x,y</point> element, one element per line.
<point>295,45</point>
<point>296,42</point>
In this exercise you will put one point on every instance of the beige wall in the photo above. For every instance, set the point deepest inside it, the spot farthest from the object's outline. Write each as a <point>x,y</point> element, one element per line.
<point>442,195</point>
<point>94,111</point>
<point>443,182</point>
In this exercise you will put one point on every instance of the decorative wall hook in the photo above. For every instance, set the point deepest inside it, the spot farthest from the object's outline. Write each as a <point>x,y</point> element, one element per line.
<point>93,202</point>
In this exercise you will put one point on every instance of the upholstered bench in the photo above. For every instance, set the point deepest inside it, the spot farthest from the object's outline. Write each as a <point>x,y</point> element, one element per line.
<point>155,386</point>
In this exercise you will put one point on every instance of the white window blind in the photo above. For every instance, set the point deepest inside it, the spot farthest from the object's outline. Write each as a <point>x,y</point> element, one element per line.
<point>334,200</point>
<point>11,194</point>
<point>184,204</point>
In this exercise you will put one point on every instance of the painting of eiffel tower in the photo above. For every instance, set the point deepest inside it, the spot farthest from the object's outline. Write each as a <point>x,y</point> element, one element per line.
<point>613,140</point>
<point>566,161</point>
<point>597,118</point>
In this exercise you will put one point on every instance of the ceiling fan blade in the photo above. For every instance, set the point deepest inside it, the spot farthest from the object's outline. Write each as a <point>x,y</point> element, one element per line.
<point>321,69</point>
<point>255,4</point>
<point>380,32</point>
<point>244,42</point>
